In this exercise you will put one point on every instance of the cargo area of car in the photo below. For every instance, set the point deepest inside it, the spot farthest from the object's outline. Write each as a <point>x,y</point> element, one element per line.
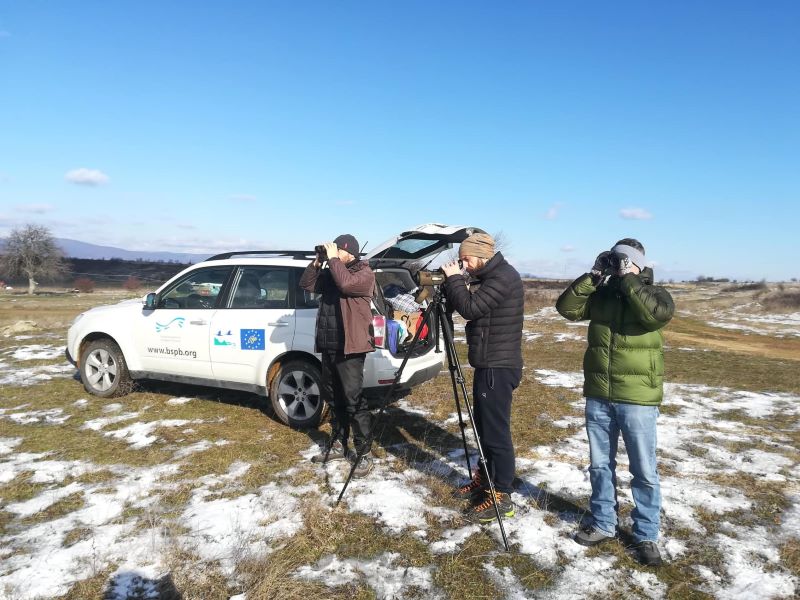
<point>395,301</point>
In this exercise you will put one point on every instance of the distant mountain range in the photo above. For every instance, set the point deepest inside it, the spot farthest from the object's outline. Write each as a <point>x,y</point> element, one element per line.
<point>78,249</point>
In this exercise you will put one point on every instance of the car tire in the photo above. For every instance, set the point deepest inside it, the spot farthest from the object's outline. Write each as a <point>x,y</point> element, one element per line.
<point>295,393</point>
<point>104,371</point>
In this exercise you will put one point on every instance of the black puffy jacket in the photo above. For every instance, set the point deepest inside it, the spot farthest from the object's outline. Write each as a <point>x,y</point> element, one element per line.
<point>494,311</point>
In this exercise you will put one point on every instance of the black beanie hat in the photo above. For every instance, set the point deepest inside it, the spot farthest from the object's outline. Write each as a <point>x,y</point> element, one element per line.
<point>347,242</point>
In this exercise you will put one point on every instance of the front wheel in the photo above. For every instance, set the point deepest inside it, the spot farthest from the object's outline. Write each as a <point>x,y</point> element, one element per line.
<point>103,369</point>
<point>296,394</point>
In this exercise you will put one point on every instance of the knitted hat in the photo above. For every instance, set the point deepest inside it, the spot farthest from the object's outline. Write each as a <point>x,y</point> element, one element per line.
<point>480,245</point>
<point>347,242</point>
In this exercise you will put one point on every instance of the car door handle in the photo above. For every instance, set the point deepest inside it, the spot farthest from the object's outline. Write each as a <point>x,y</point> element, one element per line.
<point>200,322</point>
<point>278,324</point>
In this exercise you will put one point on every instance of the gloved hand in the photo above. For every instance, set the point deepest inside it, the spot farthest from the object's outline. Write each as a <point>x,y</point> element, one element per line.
<point>625,266</point>
<point>602,267</point>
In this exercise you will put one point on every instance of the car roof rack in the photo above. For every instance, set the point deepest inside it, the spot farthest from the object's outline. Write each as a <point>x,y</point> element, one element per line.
<point>290,253</point>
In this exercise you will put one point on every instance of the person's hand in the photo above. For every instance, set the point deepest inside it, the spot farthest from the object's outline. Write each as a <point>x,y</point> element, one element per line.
<point>451,268</point>
<point>625,266</point>
<point>602,267</point>
<point>332,250</point>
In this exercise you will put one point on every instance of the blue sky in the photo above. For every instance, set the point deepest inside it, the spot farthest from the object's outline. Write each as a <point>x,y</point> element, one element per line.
<point>198,126</point>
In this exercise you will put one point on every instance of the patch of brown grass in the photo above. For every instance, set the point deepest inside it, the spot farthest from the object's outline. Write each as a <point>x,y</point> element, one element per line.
<point>58,509</point>
<point>790,556</point>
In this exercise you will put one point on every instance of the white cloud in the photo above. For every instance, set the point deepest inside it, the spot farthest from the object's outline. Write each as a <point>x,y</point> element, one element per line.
<point>567,248</point>
<point>85,176</point>
<point>243,198</point>
<point>37,209</point>
<point>639,214</point>
<point>552,212</point>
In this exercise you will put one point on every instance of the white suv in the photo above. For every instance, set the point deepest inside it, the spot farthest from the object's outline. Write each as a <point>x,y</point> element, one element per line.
<point>240,321</point>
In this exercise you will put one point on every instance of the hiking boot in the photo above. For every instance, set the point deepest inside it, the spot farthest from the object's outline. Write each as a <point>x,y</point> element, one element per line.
<point>473,491</point>
<point>589,535</point>
<point>485,512</point>
<point>647,554</point>
<point>333,451</point>
<point>364,463</point>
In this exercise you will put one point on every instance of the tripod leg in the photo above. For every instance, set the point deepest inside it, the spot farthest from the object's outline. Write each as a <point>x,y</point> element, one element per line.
<point>387,397</point>
<point>448,337</point>
<point>455,378</point>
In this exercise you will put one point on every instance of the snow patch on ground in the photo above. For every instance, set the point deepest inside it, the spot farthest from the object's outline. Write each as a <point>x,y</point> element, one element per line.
<point>200,446</point>
<point>559,379</point>
<point>50,416</point>
<point>102,422</point>
<point>37,352</point>
<point>139,435</point>
<point>383,575</point>
<point>178,401</point>
<point>13,376</point>
<point>566,337</point>
<point>7,445</point>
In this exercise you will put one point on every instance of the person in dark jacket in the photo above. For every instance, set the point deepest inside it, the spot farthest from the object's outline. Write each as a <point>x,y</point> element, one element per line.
<point>343,338</point>
<point>493,305</point>
<point>623,383</point>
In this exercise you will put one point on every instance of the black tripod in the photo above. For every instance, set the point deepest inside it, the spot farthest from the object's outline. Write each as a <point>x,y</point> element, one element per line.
<point>439,322</point>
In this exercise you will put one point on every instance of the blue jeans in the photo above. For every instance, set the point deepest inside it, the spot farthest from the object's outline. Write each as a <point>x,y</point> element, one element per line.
<point>604,422</point>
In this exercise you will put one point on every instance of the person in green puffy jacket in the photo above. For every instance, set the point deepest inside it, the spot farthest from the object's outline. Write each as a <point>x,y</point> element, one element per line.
<point>624,384</point>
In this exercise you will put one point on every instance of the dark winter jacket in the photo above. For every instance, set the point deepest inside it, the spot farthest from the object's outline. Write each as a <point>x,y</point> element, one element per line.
<point>345,314</point>
<point>494,310</point>
<point>625,358</point>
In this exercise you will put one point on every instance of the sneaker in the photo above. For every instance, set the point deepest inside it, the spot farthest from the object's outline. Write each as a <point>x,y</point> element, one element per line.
<point>589,535</point>
<point>472,491</point>
<point>364,463</point>
<point>647,554</point>
<point>485,512</point>
<point>333,451</point>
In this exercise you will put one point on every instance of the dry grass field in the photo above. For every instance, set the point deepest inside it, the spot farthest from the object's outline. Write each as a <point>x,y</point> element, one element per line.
<point>183,492</point>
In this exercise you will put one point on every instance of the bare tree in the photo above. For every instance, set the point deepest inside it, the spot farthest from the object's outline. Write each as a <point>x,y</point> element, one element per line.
<point>501,241</point>
<point>31,252</point>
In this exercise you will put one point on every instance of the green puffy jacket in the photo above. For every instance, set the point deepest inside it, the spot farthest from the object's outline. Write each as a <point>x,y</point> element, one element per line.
<point>625,358</point>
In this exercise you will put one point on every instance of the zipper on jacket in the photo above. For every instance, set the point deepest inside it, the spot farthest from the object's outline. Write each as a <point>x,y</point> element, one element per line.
<point>614,334</point>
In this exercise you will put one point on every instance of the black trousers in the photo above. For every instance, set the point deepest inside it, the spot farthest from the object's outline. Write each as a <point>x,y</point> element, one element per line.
<point>491,396</point>
<point>342,383</point>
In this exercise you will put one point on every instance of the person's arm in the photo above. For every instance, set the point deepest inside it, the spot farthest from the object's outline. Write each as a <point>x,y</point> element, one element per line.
<point>359,283</point>
<point>574,303</point>
<point>652,304</point>
<point>310,280</point>
<point>473,305</point>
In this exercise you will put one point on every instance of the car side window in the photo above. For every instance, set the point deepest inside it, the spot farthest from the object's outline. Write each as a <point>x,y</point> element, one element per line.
<point>261,287</point>
<point>198,289</point>
<point>305,299</point>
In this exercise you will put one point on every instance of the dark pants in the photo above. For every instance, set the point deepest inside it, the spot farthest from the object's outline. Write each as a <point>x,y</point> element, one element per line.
<point>491,393</point>
<point>342,381</point>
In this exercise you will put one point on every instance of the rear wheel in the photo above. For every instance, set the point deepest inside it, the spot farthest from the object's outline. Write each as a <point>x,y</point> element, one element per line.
<point>296,394</point>
<point>103,369</point>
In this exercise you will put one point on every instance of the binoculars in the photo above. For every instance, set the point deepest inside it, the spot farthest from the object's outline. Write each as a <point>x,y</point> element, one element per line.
<point>321,253</point>
<point>613,261</point>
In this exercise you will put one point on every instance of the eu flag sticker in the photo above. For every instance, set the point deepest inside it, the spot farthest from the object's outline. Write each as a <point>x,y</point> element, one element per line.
<point>252,339</point>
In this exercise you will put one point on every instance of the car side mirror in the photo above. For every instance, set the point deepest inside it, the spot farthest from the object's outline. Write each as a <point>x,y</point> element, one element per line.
<point>150,301</point>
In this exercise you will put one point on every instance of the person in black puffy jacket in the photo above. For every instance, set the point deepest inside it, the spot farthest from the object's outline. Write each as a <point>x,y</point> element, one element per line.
<point>493,305</point>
